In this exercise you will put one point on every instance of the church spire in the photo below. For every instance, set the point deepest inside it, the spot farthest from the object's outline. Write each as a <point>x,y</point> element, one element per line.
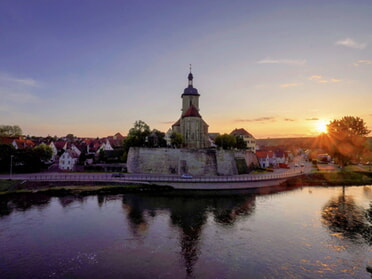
<point>190,77</point>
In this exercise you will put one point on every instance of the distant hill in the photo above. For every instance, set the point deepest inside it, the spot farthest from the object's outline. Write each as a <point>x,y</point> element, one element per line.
<point>292,143</point>
<point>286,143</point>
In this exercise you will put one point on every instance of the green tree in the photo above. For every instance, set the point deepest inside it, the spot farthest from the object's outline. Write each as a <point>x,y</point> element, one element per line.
<point>156,139</point>
<point>137,136</point>
<point>346,139</point>
<point>225,141</point>
<point>43,152</point>
<point>10,131</point>
<point>176,139</point>
<point>240,143</point>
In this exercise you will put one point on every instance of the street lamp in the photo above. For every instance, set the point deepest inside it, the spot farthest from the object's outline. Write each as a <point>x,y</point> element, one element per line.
<point>11,166</point>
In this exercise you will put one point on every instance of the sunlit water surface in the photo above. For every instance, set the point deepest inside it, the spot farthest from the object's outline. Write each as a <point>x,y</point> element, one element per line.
<point>310,232</point>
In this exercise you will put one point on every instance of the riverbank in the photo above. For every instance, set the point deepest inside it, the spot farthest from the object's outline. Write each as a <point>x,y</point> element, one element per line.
<point>61,188</point>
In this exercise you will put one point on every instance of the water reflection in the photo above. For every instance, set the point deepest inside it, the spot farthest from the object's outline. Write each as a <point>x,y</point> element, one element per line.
<point>342,215</point>
<point>22,202</point>
<point>189,214</point>
<point>204,231</point>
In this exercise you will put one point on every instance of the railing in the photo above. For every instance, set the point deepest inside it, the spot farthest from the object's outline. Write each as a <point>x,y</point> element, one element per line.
<point>156,178</point>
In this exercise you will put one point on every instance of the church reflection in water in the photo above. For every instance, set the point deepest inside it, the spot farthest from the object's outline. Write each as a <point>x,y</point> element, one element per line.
<point>188,213</point>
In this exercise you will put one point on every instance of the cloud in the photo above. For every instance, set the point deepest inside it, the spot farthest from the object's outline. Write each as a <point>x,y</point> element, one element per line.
<point>289,119</point>
<point>315,77</point>
<point>285,85</point>
<point>281,61</point>
<point>29,82</point>
<point>312,119</point>
<point>18,97</point>
<point>321,79</point>
<point>260,119</point>
<point>350,43</point>
<point>365,62</point>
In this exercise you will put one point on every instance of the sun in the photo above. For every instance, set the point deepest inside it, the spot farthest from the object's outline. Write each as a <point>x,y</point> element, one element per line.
<point>321,126</point>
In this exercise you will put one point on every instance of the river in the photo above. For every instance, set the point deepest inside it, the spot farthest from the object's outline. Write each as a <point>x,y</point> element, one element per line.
<point>308,232</point>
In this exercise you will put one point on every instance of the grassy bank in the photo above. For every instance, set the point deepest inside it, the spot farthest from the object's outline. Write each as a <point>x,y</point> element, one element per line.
<point>8,184</point>
<point>72,188</point>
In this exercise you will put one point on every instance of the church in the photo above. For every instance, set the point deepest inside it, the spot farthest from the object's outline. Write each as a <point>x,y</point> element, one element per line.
<point>195,158</point>
<point>191,125</point>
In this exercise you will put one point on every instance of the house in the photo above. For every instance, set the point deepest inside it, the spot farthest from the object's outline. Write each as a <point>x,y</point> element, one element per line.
<point>247,137</point>
<point>68,160</point>
<point>263,159</point>
<point>17,142</point>
<point>271,158</point>
<point>116,141</point>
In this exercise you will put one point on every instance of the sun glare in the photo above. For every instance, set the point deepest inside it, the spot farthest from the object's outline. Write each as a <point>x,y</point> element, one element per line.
<point>321,126</point>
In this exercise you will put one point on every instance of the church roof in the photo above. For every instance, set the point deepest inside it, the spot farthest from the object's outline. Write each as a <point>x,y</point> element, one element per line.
<point>178,123</point>
<point>191,112</point>
<point>190,90</point>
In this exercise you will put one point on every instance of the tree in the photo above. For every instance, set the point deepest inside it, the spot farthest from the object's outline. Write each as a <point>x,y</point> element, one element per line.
<point>176,139</point>
<point>137,136</point>
<point>70,137</point>
<point>156,139</point>
<point>346,139</point>
<point>43,152</point>
<point>240,143</point>
<point>225,141</point>
<point>10,131</point>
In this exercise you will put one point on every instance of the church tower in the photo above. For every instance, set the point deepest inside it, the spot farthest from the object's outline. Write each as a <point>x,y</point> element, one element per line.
<point>191,126</point>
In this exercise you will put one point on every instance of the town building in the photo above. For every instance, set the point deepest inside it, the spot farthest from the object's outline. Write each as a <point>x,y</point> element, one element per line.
<point>249,140</point>
<point>68,160</point>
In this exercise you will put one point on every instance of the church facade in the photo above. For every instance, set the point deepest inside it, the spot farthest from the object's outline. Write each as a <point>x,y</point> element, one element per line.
<point>191,125</point>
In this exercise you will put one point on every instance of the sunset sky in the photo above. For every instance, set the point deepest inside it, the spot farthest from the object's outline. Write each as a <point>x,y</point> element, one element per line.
<point>275,68</point>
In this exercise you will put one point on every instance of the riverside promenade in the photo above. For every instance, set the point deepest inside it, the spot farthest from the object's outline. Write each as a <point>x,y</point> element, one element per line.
<point>175,181</point>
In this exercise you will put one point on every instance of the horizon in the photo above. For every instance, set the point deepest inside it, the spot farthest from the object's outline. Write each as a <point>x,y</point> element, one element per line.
<point>278,70</point>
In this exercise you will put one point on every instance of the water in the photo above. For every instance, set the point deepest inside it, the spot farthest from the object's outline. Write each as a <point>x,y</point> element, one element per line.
<point>310,232</point>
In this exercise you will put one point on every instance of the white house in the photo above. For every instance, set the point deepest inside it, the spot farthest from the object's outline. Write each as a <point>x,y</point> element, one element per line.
<point>68,160</point>
<point>106,146</point>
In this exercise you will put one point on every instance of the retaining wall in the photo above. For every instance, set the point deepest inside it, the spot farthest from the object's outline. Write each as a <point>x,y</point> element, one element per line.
<point>197,162</point>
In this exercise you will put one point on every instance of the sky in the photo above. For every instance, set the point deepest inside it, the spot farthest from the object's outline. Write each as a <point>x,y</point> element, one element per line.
<point>275,68</point>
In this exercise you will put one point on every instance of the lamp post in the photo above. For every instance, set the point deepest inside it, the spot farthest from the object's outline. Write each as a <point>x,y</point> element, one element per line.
<point>11,166</point>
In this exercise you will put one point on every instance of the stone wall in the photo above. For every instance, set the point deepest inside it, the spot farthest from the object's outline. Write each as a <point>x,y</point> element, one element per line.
<point>197,162</point>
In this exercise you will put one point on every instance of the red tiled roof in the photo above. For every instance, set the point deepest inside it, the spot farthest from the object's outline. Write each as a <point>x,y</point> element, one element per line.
<point>6,140</point>
<point>192,112</point>
<point>21,144</point>
<point>261,154</point>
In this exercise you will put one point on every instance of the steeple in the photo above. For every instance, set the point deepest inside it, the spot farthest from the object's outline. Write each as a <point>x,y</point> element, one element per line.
<point>190,90</point>
<point>190,77</point>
